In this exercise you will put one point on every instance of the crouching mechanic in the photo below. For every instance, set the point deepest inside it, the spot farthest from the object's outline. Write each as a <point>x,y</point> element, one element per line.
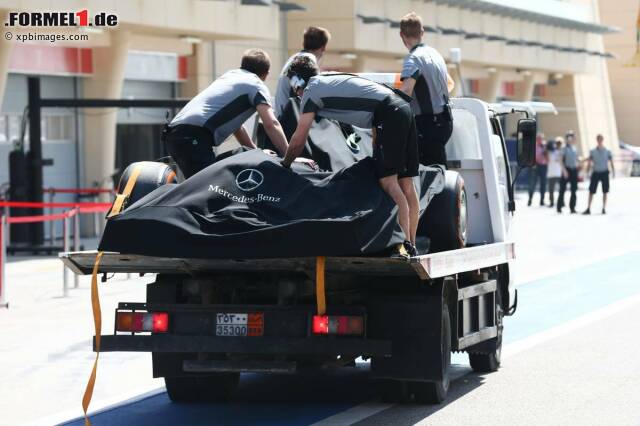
<point>220,110</point>
<point>360,102</point>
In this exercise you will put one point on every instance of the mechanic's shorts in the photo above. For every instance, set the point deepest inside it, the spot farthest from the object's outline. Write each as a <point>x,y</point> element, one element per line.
<point>191,147</point>
<point>597,177</point>
<point>396,150</point>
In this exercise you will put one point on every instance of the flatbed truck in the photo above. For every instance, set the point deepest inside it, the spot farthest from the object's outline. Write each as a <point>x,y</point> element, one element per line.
<point>206,321</point>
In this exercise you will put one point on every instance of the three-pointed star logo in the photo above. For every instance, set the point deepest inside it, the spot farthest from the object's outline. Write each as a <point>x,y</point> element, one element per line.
<point>249,179</point>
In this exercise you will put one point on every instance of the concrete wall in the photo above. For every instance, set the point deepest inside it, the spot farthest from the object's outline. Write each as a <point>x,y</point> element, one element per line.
<point>624,70</point>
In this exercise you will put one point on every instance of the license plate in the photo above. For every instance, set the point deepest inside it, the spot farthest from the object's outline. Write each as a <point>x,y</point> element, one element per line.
<point>245,324</point>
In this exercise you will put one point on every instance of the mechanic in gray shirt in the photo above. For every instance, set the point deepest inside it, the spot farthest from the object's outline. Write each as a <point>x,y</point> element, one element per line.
<point>219,111</point>
<point>569,163</point>
<point>314,43</point>
<point>424,77</point>
<point>360,102</point>
<point>599,159</point>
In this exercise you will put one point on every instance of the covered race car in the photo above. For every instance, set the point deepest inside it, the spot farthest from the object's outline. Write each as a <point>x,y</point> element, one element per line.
<point>246,205</point>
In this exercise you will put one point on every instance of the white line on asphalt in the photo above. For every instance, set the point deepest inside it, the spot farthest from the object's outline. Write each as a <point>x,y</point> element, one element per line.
<point>368,409</point>
<point>100,406</point>
<point>574,324</point>
<point>354,414</point>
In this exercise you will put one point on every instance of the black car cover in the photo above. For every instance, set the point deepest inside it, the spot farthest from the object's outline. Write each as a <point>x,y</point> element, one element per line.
<point>249,206</point>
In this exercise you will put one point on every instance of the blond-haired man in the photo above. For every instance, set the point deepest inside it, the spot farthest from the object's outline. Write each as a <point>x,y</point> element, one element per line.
<point>424,77</point>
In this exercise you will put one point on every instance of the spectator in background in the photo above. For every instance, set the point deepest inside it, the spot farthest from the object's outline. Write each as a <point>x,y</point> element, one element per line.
<point>599,159</point>
<point>554,167</point>
<point>570,163</point>
<point>539,172</point>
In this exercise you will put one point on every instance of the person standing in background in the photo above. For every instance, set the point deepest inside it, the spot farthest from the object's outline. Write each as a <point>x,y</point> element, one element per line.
<point>540,170</point>
<point>314,43</point>
<point>424,77</point>
<point>554,168</point>
<point>599,159</point>
<point>570,163</point>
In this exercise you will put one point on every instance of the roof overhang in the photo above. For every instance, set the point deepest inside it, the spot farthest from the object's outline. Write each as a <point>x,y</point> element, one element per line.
<point>529,11</point>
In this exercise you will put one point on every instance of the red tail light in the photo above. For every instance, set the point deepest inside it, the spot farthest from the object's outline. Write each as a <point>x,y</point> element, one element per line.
<point>157,322</point>
<point>160,322</point>
<point>338,324</point>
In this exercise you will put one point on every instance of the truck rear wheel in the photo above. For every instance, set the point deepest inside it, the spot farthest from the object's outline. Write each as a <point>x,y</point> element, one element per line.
<point>214,388</point>
<point>436,392</point>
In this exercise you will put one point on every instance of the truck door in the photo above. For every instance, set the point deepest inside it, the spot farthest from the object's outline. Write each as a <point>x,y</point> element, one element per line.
<point>502,166</point>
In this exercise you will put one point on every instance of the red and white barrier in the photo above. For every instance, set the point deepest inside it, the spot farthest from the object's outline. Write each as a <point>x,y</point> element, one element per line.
<point>66,216</point>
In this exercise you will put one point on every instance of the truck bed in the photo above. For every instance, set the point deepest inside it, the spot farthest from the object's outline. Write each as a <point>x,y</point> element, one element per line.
<point>433,265</point>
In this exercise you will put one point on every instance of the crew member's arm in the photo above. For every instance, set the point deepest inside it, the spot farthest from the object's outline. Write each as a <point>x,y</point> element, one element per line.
<point>273,128</point>
<point>243,138</point>
<point>407,85</point>
<point>589,161</point>
<point>299,138</point>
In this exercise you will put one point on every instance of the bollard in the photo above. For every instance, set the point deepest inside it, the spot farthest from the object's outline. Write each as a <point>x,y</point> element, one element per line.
<point>3,257</point>
<point>65,248</point>
<point>76,241</point>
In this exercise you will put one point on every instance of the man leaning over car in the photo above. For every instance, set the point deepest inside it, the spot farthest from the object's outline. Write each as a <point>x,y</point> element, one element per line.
<point>361,102</point>
<point>220,110</point>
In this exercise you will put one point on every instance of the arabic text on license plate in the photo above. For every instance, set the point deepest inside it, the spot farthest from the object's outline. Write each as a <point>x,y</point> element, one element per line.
<point>229,324</point>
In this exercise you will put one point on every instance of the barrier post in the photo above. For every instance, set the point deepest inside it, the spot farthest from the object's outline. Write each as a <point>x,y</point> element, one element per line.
<point>52,237</point>
<point>76,240</point>
<point>65,248</point>
<point>3,257</point>
<point>7,230</point>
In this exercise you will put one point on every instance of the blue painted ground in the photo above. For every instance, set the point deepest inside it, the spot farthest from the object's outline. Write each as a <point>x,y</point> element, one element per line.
<point>305,399</point>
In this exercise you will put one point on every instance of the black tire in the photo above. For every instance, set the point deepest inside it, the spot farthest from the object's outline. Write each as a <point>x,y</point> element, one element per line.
<point>445,221</point>
<point>436,392</point>
<point>216,388</point>
<point>394,391</point>
<point>152,176</point>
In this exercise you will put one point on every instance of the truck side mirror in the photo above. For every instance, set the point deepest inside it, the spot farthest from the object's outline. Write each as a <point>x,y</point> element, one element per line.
<point>527,130</point>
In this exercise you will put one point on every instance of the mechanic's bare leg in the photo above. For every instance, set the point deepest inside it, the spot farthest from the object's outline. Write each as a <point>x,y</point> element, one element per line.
<point>391,186</point>
<point>409,191</point>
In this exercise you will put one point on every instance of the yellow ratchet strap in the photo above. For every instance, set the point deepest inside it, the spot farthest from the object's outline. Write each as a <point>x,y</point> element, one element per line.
<point>320,292</point>
<point>121,198</point>
<point>95,296</point>
<point>97,322</point>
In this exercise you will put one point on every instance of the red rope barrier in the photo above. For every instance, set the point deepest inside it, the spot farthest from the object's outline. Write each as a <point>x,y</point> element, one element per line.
<point>39,218</point>
<point>37,204</point>
<point>78,190</point>
<point>57,216</point>
<point>98,209</point>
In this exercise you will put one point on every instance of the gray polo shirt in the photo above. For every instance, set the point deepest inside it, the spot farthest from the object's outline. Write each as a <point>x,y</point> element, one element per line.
<point>427,66</point>
<point>600,158</point>
<point>570,157</point>
<point>283,91</point>
<point>347,98</point>
<point>227,103</point>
